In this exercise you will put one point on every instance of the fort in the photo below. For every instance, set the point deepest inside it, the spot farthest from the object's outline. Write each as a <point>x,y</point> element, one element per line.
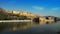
<point>14,15</point>
<point>33,16</point>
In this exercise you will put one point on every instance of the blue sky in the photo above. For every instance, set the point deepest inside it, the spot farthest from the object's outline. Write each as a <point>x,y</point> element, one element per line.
<point>40,7</point>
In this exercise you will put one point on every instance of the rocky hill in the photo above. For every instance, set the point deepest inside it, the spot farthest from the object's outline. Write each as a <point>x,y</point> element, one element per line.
<point>9,16</point>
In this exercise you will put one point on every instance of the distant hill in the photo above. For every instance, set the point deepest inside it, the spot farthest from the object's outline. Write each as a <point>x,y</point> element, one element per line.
<point>9,16</point>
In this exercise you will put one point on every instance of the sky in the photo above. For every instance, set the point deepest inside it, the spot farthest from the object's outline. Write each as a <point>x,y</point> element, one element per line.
<point>39,7</point>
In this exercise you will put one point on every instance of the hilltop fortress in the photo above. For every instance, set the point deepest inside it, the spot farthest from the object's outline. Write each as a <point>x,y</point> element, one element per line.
<point>33,16</point>
<point>37,18</point>
<point>23,13</point>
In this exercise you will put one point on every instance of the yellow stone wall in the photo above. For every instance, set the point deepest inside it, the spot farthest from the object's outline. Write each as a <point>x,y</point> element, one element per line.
<point>23,13</point>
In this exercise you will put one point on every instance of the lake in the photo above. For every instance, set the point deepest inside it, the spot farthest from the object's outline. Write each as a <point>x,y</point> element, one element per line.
<point>29,28</point>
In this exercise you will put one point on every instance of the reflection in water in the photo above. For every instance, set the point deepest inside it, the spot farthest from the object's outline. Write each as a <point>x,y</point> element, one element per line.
<point>20,26</point>
<point>16,26</point>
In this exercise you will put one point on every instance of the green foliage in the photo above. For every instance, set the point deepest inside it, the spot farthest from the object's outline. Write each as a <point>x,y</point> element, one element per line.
<point>5,16</point>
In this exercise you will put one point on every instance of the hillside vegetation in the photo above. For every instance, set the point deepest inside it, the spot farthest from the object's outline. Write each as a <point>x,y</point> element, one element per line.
<point>8,16</point>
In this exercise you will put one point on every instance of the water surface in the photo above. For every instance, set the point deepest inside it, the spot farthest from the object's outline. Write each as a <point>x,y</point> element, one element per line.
<point>29,28</point>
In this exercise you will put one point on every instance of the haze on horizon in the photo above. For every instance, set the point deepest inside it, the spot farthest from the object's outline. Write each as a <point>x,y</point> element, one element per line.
<point>40,7</point>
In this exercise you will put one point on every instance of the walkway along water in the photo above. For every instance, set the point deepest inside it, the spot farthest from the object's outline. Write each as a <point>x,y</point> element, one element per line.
<point>15,21</point>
